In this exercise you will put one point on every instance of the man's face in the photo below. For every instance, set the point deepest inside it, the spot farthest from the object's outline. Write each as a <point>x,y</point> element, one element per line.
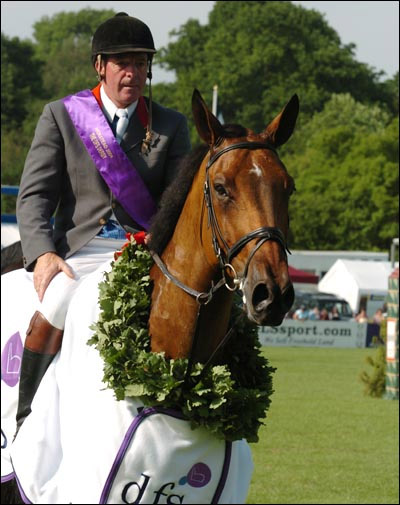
<point>124,77</point>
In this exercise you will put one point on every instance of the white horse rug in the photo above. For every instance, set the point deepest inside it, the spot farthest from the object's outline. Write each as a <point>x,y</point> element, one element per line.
<point>81,445</point>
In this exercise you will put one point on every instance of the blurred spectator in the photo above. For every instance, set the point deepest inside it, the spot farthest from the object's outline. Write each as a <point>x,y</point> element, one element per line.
<point>362,317</point>
<point>334,315</point>
<point>314,313</point>
<point>324,315</point>
<point>301,314</point>
<point>378,316</point>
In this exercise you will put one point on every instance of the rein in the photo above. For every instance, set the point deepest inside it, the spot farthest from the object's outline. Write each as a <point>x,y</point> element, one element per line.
<point>262,234</point>
<point>201,297</point>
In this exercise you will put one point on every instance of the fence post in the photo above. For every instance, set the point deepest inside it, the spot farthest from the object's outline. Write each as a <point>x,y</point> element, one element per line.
<point>392,338</point>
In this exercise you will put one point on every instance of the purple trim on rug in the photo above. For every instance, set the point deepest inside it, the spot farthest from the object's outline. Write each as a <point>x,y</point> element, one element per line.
<point>8,477</point>
<point>120,455</point>
<point>24,498</point>
<point>170,412</point>
<point>225,471</point>
<point>145,412</point>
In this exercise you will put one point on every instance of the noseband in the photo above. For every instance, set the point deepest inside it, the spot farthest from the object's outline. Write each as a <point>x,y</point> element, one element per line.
<point>262,234</point>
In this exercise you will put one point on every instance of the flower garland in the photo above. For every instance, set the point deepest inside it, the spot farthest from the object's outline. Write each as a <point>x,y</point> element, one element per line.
<point>232,397</point>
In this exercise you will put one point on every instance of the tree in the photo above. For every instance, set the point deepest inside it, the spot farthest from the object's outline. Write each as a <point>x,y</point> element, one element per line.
<point>17,85</point>
<point>391,91</point>
<point>342,109</point>
<point>70,69</point>
<point>345,167</point>
<point>64,46</point>
<point>260,54</point>
<point>343,155</point>
<point>59,63</point>
<point>20,90</point>
<point>50,33</point>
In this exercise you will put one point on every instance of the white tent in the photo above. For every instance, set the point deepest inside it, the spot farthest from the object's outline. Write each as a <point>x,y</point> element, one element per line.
<point>352,279</point>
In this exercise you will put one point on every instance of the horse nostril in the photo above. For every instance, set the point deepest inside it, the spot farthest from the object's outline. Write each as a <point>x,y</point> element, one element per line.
<point>288,297</point>
<point>260,297</point>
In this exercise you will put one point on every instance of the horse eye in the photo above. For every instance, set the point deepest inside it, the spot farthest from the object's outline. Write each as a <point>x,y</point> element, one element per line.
<point>219,188</point>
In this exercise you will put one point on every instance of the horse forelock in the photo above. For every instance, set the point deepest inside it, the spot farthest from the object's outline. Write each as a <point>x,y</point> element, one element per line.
<point>234,131</point>
<point>173,199</point>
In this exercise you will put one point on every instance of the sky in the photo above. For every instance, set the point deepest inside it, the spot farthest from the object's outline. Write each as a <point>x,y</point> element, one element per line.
<point>372,26</point>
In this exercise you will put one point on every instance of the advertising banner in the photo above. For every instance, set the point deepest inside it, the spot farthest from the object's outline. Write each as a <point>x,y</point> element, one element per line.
<point>314,334</point>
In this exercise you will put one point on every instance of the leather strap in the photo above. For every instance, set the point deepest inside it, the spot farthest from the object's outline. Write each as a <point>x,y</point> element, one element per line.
<point>240,145</point>
<point>266,233</point>
<point>201,297</point>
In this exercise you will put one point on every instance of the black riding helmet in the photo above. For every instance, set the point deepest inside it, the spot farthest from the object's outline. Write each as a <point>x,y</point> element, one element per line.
<point>122,34</point>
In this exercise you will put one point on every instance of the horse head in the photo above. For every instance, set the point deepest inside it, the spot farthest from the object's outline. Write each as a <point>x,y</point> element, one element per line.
<point>249,190</point>
<point>230,232</point>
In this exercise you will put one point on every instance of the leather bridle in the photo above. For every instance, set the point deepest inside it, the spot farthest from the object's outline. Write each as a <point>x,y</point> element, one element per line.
<point>226,254</point>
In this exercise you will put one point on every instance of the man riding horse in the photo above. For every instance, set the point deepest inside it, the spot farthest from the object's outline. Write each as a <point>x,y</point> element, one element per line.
<point>100,160</point>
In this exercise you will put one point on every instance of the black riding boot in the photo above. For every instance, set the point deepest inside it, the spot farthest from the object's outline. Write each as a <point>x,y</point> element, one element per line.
<point>41,345</point>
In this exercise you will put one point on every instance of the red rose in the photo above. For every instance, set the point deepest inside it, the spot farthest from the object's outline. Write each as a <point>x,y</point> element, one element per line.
<point>140,237</point>
<point>117,254</point>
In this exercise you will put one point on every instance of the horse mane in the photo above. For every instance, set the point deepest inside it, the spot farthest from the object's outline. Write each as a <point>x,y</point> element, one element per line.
<point>174,197</point>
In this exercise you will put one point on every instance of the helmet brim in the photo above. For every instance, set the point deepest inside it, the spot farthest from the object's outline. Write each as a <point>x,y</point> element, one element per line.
<point>125,49</point>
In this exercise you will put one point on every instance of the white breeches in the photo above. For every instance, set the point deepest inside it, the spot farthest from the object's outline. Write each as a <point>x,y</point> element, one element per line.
<point>56,299</point>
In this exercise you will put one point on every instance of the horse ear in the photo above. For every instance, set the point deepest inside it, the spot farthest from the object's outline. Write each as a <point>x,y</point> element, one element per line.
<point>208,126</point>
<point>281,128</point>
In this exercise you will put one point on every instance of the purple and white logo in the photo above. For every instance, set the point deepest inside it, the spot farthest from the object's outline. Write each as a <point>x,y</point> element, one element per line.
<point>11,360</point>
<point>198,476</point>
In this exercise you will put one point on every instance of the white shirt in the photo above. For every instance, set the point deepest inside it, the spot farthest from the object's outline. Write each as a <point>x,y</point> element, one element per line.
<point>109,106</point>
<point>109,109</point>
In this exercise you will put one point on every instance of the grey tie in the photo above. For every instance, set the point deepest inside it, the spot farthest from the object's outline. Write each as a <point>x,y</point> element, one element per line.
<point>122,123</point>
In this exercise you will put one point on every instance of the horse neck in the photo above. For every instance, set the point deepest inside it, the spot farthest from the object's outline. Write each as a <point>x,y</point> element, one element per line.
<point>189,257</point>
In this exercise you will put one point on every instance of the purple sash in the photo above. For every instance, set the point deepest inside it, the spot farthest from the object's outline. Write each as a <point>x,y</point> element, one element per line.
<point>111,161</point>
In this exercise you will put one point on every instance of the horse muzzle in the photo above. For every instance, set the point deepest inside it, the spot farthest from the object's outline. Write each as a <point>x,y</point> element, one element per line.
<point>266,303</point>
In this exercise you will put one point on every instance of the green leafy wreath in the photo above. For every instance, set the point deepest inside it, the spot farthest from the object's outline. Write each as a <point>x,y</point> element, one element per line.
<point>231,398</point>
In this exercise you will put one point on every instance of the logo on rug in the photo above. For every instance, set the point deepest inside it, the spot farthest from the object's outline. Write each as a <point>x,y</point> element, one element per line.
<point>11,360</point>
<point>199,475</point>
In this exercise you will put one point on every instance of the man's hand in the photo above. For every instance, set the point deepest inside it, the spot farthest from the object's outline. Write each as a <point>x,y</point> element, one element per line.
<point>47,266</point>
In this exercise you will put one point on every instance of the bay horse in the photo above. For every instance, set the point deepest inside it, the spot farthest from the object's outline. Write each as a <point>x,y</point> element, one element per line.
<point>222,227</point>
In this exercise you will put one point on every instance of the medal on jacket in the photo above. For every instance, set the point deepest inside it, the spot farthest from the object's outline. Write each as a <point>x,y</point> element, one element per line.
<point>146,143</point>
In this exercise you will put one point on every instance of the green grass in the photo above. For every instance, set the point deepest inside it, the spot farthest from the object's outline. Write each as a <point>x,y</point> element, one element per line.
<point>325,441</point>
